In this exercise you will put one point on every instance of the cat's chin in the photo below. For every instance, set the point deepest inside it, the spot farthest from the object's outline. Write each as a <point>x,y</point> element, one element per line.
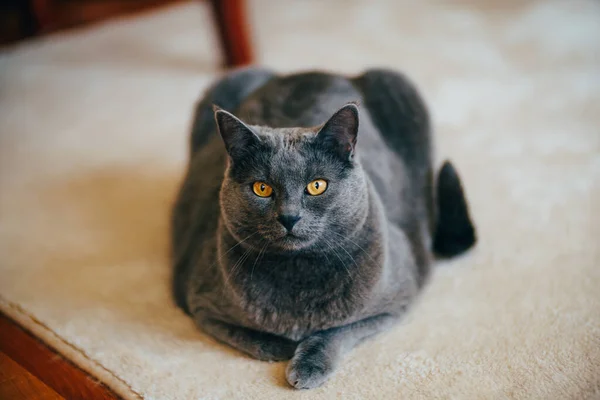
<point>292,242</point>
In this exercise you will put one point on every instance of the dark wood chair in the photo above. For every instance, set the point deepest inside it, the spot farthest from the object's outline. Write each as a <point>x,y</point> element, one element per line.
<point>231,21</point>
<point>39,17</point>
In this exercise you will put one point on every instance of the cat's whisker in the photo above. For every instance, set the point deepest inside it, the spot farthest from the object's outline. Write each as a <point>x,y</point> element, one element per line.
<point>349,255</point>
<point>260,254</point>
<point>325,254</point>
<point>338,256</point>
<point>357,245</point>
<point>234,246</point>
<point>225,275</point>
<point>241,261</point>
<point>352,258</point>
<point>238,265</point>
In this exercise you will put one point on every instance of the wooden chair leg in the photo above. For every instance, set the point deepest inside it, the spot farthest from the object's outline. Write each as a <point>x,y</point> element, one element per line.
<point>230,17</point>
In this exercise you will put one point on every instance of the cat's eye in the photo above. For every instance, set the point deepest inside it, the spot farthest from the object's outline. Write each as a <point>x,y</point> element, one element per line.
<point>316,187</point>
<point>261,189</point>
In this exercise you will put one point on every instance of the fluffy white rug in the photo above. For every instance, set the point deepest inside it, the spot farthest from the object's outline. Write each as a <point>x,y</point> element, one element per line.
<point>94,126</point>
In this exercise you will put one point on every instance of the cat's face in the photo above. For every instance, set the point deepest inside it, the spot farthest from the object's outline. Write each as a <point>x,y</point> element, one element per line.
<point>292,188</point>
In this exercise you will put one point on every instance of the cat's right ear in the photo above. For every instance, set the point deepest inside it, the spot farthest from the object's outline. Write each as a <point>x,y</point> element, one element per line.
<point>237,136</point>
<point>339,133</point>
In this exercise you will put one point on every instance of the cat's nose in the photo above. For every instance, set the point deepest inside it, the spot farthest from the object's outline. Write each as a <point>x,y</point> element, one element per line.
<point>288,221</point>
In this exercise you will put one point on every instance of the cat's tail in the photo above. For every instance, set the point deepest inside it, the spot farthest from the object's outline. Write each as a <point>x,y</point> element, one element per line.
<point>454,233</point>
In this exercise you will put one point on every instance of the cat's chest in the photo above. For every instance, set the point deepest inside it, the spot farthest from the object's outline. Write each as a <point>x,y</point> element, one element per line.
<point>283,315</point>
<point>297,304</point>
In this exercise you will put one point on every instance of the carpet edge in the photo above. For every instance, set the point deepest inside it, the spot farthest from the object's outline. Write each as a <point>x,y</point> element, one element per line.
<point>67,350</point>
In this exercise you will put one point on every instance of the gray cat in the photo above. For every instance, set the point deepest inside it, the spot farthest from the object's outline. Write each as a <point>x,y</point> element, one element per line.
<point>307,222</point>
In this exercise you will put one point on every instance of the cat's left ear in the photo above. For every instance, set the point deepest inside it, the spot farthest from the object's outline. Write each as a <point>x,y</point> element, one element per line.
<point>340,132</point>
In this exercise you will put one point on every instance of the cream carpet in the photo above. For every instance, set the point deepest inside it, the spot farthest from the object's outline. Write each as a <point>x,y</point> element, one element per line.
<point>94,126</point>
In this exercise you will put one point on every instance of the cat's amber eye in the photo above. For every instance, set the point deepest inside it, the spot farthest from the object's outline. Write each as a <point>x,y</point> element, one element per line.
<point>316,187</point>
<point>261,189</point>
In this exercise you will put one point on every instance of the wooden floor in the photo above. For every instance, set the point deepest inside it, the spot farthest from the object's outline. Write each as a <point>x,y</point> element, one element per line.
<point>31,370</point>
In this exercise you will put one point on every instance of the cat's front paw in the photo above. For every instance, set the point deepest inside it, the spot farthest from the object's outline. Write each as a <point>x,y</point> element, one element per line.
<point>313,363</point>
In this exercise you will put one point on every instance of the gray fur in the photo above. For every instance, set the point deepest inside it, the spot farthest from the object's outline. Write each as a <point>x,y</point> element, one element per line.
<point>360,251</point>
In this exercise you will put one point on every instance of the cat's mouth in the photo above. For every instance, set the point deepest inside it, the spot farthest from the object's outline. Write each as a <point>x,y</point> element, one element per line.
<point>292,237</point>
<point>292,241</point>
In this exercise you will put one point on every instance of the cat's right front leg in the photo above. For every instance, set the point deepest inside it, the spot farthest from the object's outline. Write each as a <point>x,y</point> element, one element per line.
<point>260,345</point>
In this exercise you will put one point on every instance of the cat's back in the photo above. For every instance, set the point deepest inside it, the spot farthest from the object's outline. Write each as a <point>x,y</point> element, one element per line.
<point>303,99</point>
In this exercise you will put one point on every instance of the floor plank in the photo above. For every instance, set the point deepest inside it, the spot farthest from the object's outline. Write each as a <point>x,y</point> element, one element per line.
<point>66,379</point>
<point>16,383</point>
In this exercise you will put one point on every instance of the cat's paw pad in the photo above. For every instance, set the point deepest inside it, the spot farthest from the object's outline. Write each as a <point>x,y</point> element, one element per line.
<point>312,364</point>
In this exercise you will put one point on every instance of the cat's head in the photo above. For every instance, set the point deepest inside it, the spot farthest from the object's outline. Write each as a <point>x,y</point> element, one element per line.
<point>292,188</point>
